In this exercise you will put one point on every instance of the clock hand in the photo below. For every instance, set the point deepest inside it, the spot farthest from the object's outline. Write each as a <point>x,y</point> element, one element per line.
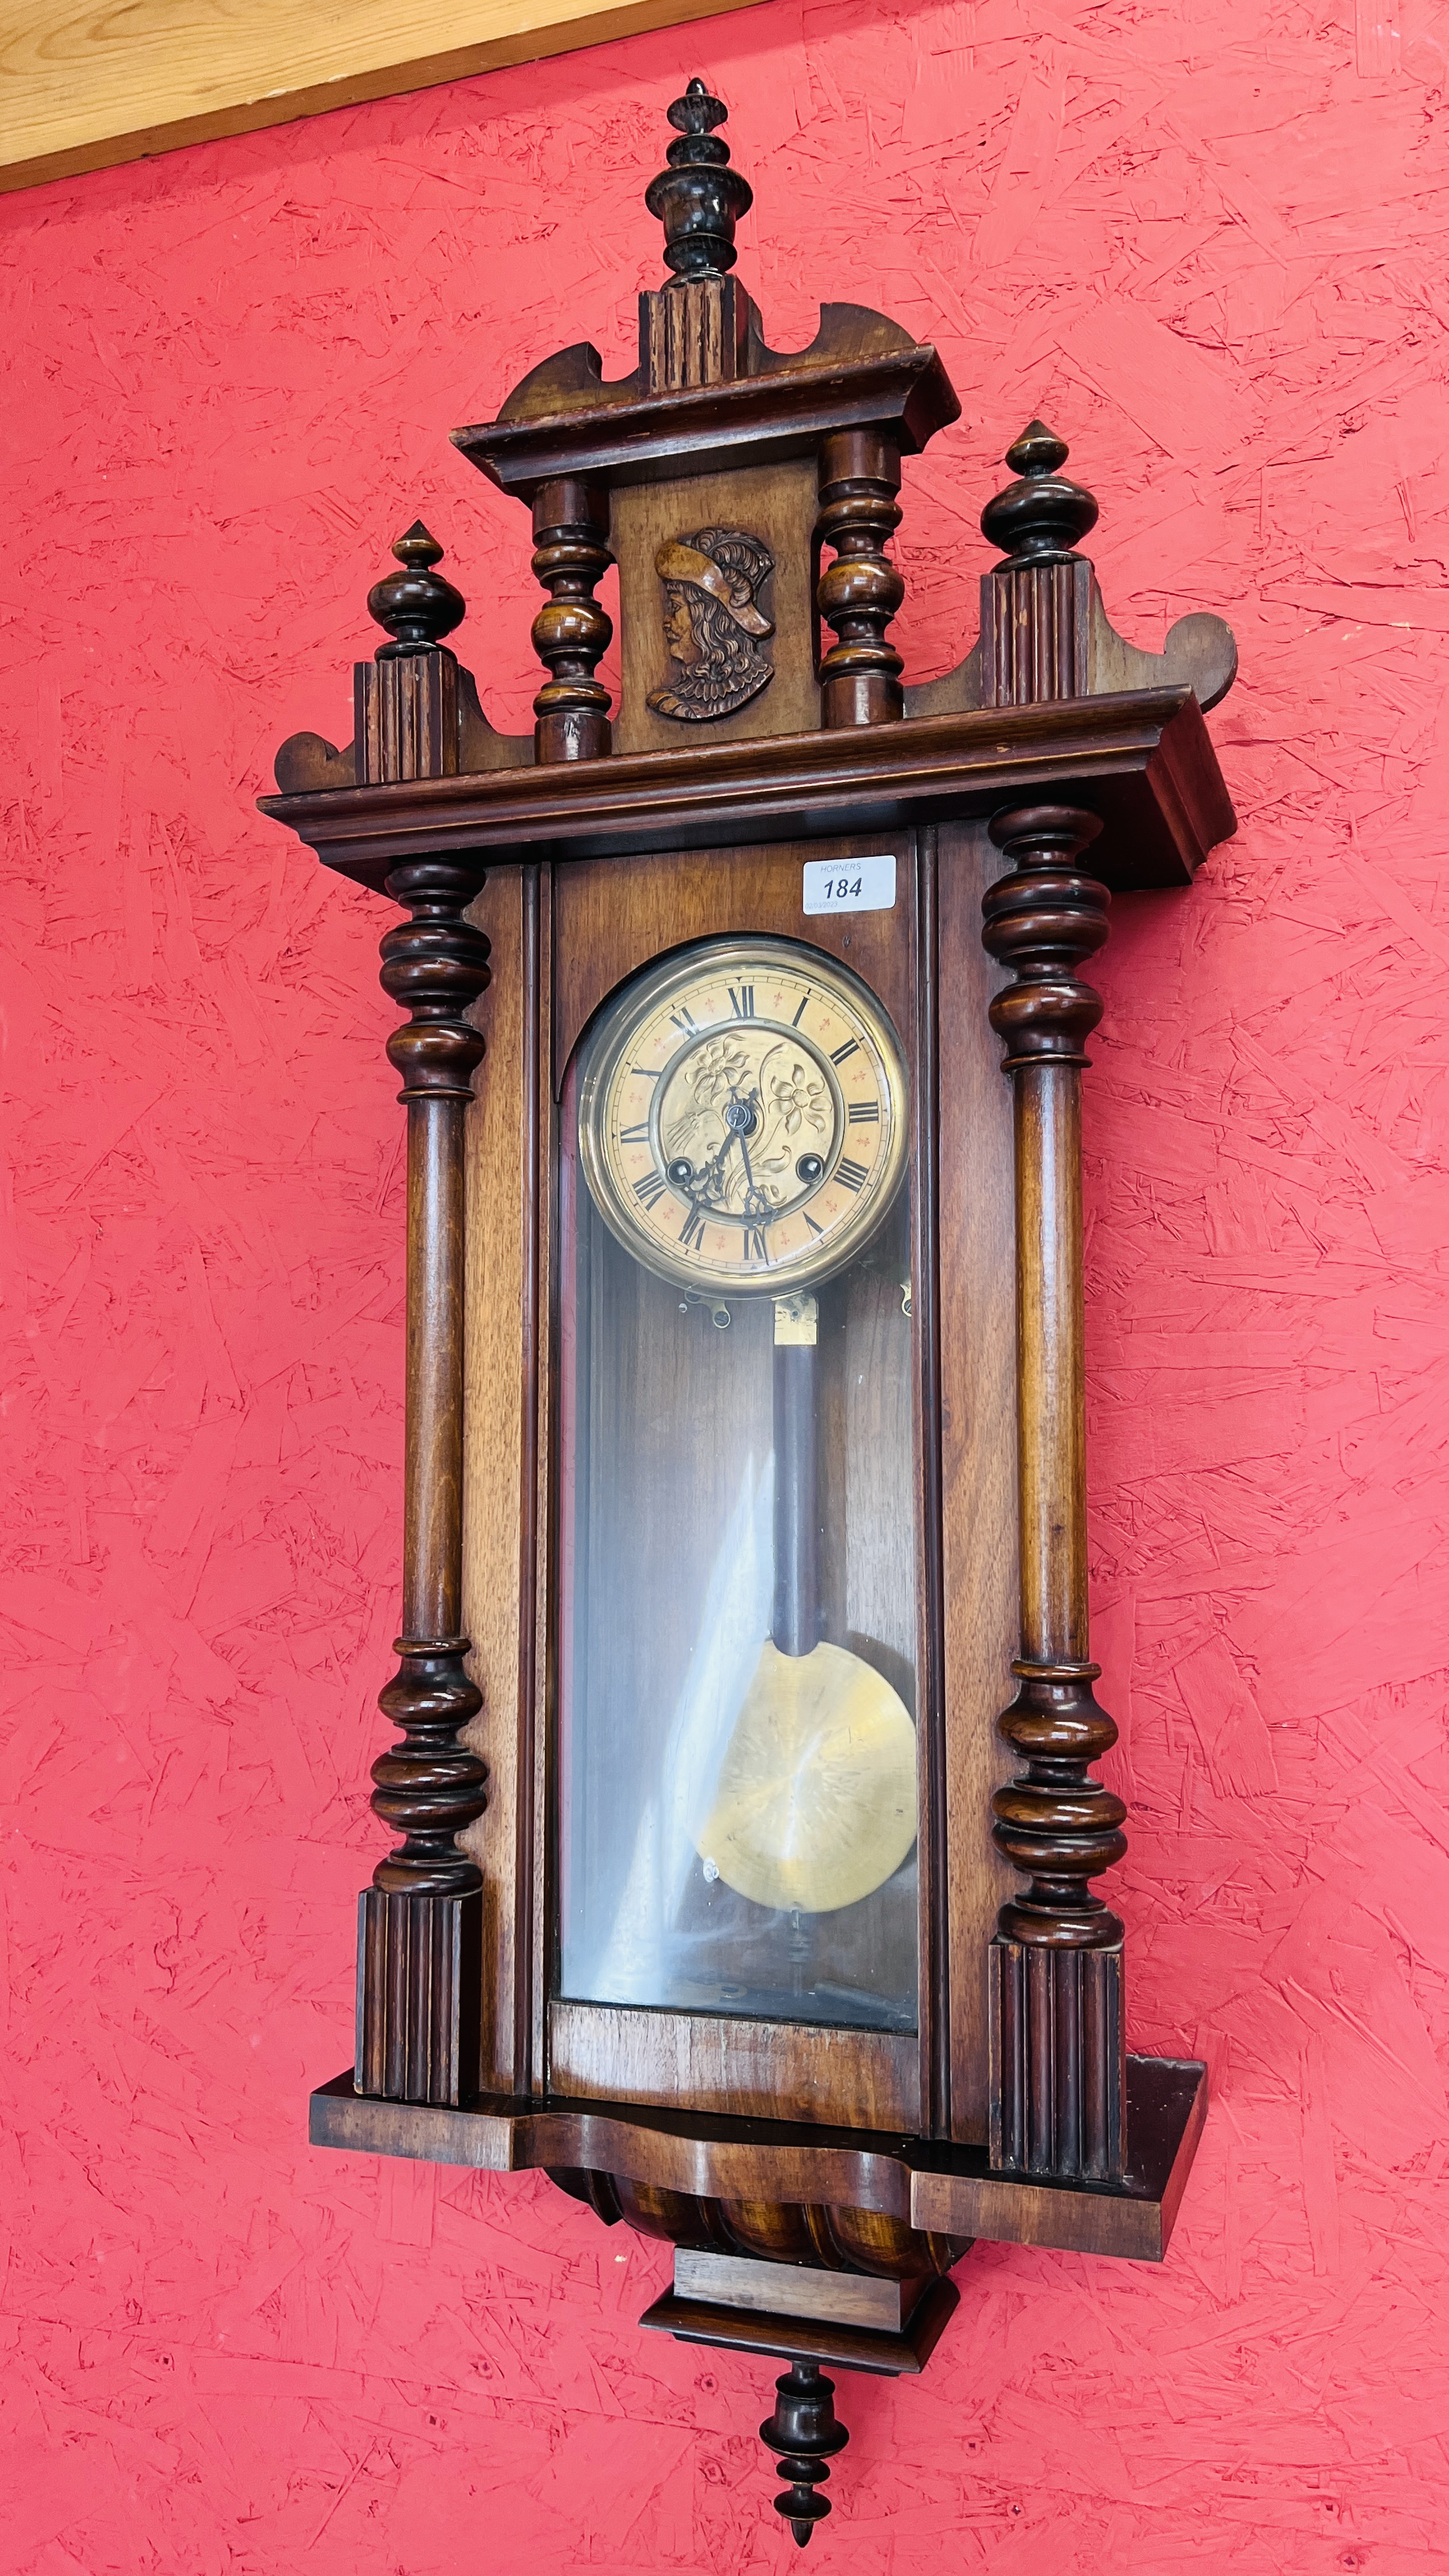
<point>710,1180</point>
<point>741,1118</point>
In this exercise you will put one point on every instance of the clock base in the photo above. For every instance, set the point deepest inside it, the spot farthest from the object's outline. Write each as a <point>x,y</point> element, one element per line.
<point>929,2185</point>
<point>811,2315</point>
<point>804,2316</point>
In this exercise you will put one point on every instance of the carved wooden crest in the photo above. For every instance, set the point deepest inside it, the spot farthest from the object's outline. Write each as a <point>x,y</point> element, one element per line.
<point>714,627</point>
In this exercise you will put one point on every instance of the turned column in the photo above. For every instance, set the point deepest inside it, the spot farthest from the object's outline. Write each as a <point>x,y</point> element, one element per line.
<point>571,635</point>
<point>1057,2065</point>
<point>419,1965</point>
<point>859,594</point>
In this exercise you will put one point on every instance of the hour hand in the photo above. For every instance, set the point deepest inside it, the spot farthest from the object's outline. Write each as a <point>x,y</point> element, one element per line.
<point>708,1185</point>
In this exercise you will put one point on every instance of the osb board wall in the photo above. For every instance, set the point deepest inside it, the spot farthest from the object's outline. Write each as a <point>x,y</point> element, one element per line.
<point>1206,244</point>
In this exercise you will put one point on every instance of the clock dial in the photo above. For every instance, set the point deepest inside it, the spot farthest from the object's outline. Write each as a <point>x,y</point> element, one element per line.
<point>742,1112</point>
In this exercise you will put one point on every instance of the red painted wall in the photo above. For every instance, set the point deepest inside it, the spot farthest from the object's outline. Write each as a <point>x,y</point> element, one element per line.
<point>1206,243</point>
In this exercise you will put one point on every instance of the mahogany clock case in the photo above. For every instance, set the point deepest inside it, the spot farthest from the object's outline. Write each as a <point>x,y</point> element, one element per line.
<point>563,939</point>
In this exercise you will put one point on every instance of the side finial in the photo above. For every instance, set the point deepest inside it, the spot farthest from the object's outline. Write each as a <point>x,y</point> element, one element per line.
<point>699,199</point>
<point>1039,518</point>
<point>417,606</point>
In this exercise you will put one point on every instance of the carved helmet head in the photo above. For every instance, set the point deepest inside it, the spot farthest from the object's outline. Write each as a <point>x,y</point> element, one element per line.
<point>728,566</point>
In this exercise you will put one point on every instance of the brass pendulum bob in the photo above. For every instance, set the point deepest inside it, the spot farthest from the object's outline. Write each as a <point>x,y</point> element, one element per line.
<point>815,1804</point>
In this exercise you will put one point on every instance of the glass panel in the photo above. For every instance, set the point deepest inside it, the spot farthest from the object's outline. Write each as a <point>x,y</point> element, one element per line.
<point>737,1786</point>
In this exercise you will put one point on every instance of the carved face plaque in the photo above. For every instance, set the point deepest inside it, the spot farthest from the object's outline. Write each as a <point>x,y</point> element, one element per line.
<point>713,625</point>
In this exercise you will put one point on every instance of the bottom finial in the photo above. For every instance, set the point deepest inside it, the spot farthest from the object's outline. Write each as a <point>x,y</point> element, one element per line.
<point>804,2432</point>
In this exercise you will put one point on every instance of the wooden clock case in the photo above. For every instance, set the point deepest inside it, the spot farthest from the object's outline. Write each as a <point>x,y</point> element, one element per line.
<point>819,2184</point>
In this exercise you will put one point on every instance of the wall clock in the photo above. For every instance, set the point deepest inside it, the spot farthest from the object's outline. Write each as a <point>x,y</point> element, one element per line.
<point>747,1789</point>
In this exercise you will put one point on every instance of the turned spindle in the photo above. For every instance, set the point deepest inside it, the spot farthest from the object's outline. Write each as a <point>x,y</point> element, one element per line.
<point>571,634</point>
<point>859,594</point>
<point>420,1926</point>
<point>1056,1963</point>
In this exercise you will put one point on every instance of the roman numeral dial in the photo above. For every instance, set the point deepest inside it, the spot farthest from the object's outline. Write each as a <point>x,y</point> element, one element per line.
<point>715,1096</point>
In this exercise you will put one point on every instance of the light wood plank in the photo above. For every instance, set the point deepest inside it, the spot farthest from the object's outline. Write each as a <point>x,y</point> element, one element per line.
<point>84,87</point>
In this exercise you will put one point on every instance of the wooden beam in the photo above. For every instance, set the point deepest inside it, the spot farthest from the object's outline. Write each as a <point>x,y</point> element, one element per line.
<point>83,87</point>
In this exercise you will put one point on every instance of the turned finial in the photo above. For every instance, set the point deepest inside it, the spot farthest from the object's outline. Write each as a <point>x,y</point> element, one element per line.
<point>699,199</point>
<point>417,606</point>
<point>1040,517</point>
<point>805,2432</point>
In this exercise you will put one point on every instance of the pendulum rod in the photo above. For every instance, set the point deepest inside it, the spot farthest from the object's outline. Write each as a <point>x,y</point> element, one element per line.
<point>796,1624</point>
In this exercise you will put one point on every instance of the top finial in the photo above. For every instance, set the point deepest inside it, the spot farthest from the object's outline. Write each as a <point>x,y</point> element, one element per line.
<point>699,199</point>
<point>1041,515</point>
<point>698,113</point>
<point>417,606</point>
